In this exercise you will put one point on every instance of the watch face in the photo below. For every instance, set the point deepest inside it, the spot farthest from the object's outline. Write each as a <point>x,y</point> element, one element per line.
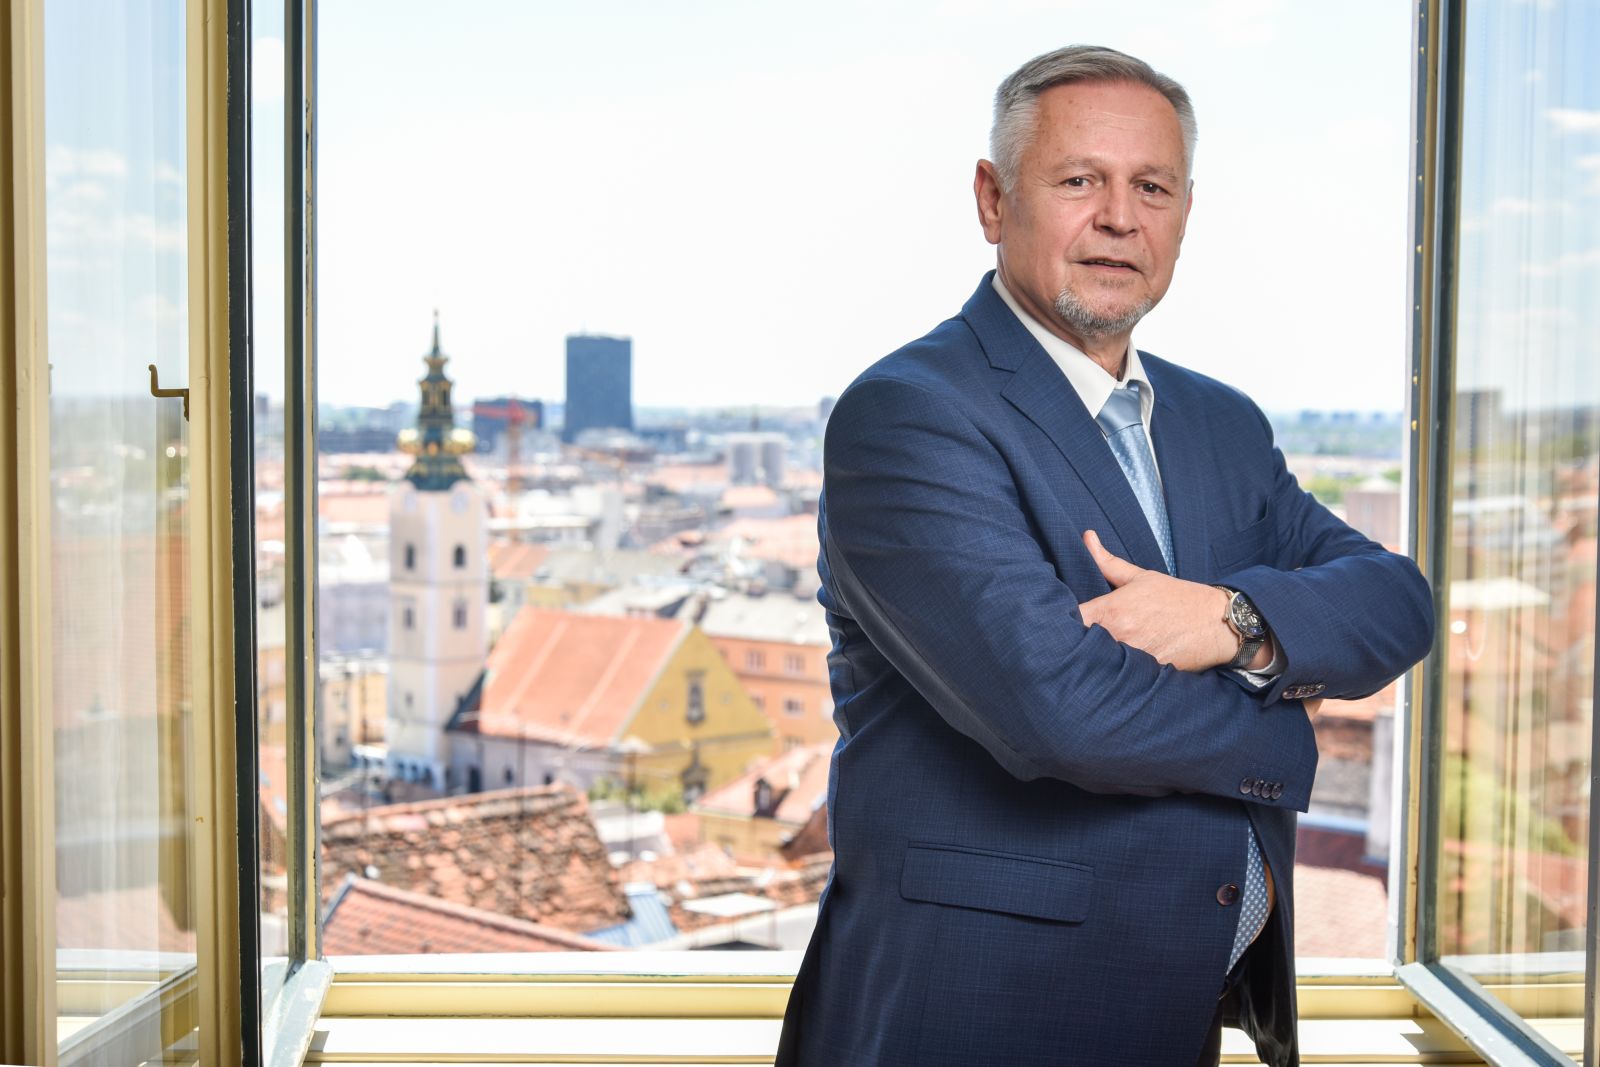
<point>1245,618</point>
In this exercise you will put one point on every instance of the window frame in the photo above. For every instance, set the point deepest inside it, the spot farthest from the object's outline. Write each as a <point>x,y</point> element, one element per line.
<point>205,993</point>
<point>223,628</point>
<point>1486,1019</point>
<point>27,863</point>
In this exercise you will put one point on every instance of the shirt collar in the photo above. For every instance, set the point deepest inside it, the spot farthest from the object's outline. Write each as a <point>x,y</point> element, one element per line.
<point>1090,380</point>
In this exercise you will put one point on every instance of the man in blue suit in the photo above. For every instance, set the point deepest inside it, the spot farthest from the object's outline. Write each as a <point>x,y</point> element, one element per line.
<point>1080,613</point>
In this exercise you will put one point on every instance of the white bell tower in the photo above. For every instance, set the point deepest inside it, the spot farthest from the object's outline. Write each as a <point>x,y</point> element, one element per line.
<point>438,582</point>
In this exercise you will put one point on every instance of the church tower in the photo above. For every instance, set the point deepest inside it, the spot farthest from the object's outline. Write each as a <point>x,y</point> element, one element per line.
<point>439,584</point>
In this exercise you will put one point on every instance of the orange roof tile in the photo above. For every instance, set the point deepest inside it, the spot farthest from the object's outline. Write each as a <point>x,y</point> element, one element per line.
<point>516,560</point>
<point>1340,895</point>
<point>811,840</point>
<point>785,887</point>
<point>1339,913</point>
<point>573,679</point>
<point>369,918</point>
<point>134,919</point>
<point>357,507</point>
<point>698,862</point>
<point>273,785</point>
<point>799,778</point>
<point>791,540</point>
<point>682,476</point>
<point>531,854</point>
<point>1365,709</point>
<point>749,496</point>
<point>683,829</point>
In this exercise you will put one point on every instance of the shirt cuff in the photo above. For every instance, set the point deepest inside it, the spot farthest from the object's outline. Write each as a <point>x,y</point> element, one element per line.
<point>1266,675</point>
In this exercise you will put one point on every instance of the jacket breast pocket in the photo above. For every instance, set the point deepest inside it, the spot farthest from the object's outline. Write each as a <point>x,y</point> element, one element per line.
<point>1242,548</point>
<point>1029,886</point>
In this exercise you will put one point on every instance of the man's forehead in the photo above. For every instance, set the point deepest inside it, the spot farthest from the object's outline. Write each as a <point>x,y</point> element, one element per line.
<point>1119,102</point>
<point>1069,115</point>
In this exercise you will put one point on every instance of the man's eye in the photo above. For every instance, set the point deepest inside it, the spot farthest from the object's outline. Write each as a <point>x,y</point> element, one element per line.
<point>1076,183</point>
<point>1150,189</point>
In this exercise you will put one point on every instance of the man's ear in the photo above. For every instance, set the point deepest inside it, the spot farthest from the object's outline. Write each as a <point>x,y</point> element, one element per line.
<point>991,201</point>
<point>1188,203</point>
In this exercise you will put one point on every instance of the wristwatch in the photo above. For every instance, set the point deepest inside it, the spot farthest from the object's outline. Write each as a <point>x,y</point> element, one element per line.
<point>1243,619</point>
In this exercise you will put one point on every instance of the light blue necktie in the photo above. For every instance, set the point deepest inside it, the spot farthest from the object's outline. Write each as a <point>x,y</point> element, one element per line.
<point>1122,420</point>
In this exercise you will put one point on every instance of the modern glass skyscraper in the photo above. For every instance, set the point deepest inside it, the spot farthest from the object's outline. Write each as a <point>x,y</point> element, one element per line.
<point>599,384</point>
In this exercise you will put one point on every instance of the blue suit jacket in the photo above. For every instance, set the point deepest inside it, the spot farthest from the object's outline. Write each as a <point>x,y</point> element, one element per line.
<point>1031,821</point>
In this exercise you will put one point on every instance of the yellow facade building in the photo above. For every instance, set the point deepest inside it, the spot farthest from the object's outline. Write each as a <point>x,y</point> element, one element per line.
<point>588,700</point>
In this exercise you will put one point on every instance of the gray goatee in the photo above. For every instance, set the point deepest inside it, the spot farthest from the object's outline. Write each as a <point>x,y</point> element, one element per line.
<point>1086,322</point>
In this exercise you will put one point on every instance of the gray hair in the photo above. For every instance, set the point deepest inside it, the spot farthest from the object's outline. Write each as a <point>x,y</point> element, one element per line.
<point>1016,102</point>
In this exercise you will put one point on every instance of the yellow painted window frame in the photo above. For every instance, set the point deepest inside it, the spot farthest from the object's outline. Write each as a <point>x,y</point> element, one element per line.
<point>29,995</point>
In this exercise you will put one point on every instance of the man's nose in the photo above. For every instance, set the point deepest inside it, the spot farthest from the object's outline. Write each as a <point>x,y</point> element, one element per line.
<point>1116,214</point>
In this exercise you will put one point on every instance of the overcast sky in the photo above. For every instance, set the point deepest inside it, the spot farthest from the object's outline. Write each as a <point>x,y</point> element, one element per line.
<point>768,197</point>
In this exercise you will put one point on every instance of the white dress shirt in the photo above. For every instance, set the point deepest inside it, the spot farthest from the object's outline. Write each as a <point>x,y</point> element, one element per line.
<point>1094,386</point>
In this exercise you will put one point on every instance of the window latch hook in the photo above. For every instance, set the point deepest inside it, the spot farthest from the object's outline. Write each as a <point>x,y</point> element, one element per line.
<point>156,390</point>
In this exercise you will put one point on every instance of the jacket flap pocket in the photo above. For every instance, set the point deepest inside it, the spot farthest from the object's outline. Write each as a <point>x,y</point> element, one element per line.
<point>997,881</point>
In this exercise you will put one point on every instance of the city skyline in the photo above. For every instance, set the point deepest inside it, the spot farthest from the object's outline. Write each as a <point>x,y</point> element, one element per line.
<point>764,246</point>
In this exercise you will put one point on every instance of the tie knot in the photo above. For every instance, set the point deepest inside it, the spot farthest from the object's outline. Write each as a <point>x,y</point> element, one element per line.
<point>1121,410</point>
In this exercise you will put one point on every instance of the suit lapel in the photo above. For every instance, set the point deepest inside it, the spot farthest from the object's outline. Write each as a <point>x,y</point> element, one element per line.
<point>1185,482</point>
<point>1040,391</point>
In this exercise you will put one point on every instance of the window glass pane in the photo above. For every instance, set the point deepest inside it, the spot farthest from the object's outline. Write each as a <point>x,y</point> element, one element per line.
<point>116,253</point>
<point>273,596</point>
<point>1525,465</point>
<point>649,285</point>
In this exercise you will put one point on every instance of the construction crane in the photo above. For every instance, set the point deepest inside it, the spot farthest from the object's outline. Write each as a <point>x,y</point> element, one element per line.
<point>514,417</point>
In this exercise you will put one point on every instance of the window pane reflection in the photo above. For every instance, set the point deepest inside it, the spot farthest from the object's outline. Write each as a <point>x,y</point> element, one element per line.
<point>1525,469</point>
<point>115,236</point>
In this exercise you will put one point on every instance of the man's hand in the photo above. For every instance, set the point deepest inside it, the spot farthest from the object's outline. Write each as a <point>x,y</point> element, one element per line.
<point>1176,621</point>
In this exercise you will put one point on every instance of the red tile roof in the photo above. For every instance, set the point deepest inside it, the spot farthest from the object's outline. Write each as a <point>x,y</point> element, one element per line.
<point>811,840</point>
<point>749,496</point>
<point>791,540</point>
<point>532,854</point>
<point>365,506</point>
<point>785,887</point>
<point>1341,897</point>
<point>799,778</point>
<point>569,679</point>
<point>683,829</point>
<point>683,476</point>
<point>1339,913</point>
<point>695,863</point>
<point>273,785</point>
<point>516,560</point>
<point>134,919</point>
<point>369,918</point>
<point>1366,708</point>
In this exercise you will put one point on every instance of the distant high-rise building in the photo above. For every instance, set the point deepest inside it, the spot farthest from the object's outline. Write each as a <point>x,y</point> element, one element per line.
<point>599,384</point>
<point>756,458</point>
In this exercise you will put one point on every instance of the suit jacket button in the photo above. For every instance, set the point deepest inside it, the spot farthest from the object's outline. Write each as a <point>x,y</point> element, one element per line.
<point>1261,788</point>
<point>1277,790</point>
<point>1247,785</point>
<point>1227,894</point>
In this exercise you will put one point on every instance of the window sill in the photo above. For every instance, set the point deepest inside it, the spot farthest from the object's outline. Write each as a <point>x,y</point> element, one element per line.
<point>726,1007</point>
